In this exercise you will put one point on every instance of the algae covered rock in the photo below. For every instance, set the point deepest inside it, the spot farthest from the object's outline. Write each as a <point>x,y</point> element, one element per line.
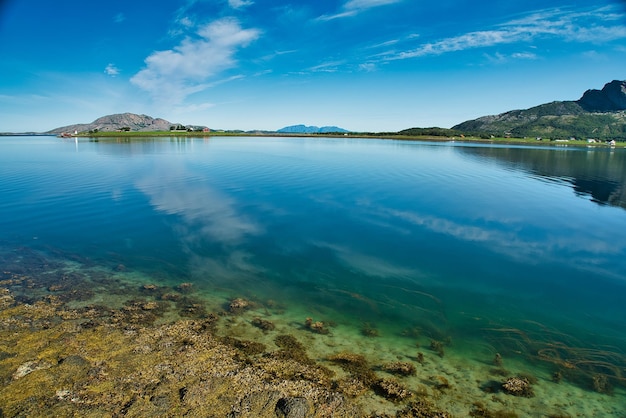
<point>421,409</point>
<point>518,386</point>
<point>292,407</point>
<point>400,368</point>
<point>392,390</point>
<point>29,367</point>
<point>263,324</point>
<point>239,305</point>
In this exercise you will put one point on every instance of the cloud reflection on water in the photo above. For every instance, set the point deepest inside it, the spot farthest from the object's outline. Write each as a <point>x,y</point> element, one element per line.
<point>586,249</point>
<point>205,212</point>
<point>206,217</point>
<point>366,264</point>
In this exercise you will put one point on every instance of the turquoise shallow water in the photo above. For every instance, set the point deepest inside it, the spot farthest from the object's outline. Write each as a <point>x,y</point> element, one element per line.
<point>516,250</point>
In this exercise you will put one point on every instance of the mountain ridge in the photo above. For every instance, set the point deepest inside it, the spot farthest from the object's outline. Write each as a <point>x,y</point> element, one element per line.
<point>116,122</point>
<point>597,114</point>
<point>303,129</point>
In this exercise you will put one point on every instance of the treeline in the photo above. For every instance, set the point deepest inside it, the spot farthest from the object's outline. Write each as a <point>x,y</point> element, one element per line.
<point>434,131</point>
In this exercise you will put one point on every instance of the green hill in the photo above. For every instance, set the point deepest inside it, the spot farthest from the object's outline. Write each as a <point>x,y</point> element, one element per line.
<point>598,114</point>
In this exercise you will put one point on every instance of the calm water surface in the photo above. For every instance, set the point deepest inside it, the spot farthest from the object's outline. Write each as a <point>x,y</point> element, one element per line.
<point>455,241</point>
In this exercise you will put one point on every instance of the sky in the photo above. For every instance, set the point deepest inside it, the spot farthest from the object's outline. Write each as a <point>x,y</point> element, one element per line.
<point>362,65</point>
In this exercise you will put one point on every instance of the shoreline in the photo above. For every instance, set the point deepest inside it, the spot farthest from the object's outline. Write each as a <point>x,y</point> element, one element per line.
<point>427,138</point>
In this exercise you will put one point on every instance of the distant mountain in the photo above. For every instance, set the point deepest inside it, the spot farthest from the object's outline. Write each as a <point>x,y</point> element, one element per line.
<point>302,129</point>
<point>599,114</point>
<point>121,121</point>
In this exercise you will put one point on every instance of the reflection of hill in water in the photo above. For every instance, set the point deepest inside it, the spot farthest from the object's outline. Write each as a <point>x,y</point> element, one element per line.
<point>596,173</point>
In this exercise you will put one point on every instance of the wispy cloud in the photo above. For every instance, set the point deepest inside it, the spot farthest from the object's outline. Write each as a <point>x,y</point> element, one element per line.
<point>111,70</point>
<point>238,4</point>
<point>368,67</point>
<point>354,7</point>
<point>499,58</point>
<point>185,22</point>
<point>187,68</point>
<point>23,99</point>
<point>119,18</point>
<point>326,67</point>
<point>595,26</point>
<point>384,44</point>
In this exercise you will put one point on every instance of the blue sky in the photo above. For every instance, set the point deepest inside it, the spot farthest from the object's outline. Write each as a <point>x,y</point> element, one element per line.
<point>363,65</point>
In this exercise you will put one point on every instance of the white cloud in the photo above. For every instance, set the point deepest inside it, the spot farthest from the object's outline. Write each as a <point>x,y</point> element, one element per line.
<point>119,18</point>
<point>354,7</point>
<point>385,44</point>
<point>111,70</point>
<point>238,4</point>
<point>499,58</point>
<point>326,67</point>
<point>524,55</point>
<point>596,26</point>
<point>185,22</point>
<point>187,68</point>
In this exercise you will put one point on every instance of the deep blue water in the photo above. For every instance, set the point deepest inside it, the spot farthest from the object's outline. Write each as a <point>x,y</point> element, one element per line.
<point>451,239</point>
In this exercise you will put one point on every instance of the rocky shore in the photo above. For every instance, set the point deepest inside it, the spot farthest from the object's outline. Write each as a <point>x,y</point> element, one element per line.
<point>81,339</point>
<point>61,355</point>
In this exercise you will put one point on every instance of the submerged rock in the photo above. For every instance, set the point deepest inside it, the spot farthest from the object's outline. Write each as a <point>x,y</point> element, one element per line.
<point>518,386</point>
<point>392,390</point>
<point>238,305</point>
<point>29,367</point>
<point>263,324</point>
<point>292,407</point>
<point>400,368</point>
<point>316,326</point>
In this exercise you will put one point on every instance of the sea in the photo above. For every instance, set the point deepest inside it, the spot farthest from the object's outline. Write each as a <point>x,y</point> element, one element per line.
<point>474,256</point>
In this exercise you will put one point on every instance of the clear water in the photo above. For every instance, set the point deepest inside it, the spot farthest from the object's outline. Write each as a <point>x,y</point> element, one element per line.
<point>517,250</point>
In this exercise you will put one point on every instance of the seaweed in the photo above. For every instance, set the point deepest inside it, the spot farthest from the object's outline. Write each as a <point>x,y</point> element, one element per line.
<point>291,348</point>
<point>400,368</point>
<point>318,327</point>
<point>597,368</point>
<point>421,409</point>
<point>369,330</point>
<point>191,308</point>
<point>185,287</point>
<point>263,324</point>
<point>391,389</point>
<point>497,360</point>
<point>247,347</point>
<point>356,365</point>
<point>439,382</point>
<point>480,410</point>
<point>437,347</point>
